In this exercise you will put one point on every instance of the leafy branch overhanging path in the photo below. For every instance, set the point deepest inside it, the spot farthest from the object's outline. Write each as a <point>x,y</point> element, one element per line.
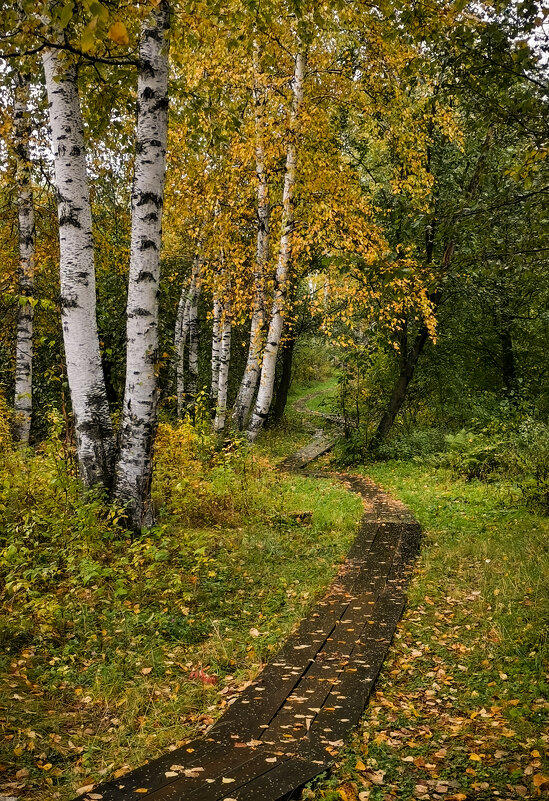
<point>288,725</point>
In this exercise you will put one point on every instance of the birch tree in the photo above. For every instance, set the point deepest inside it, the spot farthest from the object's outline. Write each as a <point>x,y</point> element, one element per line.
<point>186,328</point>
<point>216,347</point>
<point>276,324</point>
<point>224,364</point>
<point>193,338</point>
<point>252,370</point>
<point>93,427</point>
<point>134,468</point>
<point>25,213</point>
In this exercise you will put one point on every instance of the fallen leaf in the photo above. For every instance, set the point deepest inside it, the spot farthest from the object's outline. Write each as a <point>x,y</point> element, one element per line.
<point>145,672</point>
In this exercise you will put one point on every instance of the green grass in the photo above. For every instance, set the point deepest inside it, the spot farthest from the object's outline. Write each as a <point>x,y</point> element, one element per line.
<point>109,646</point>
<point>295,430</point>
<point>461,707</point>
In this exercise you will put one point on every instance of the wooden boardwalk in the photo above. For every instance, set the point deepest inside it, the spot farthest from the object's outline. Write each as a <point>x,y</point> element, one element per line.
<point>288,725</point>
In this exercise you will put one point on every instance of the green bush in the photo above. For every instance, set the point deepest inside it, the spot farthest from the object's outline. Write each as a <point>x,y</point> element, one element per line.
<point>517,453</point>
<point>415,444</point>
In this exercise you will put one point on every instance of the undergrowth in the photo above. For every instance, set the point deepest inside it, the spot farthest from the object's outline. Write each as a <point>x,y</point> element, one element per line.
<point>113,649</point>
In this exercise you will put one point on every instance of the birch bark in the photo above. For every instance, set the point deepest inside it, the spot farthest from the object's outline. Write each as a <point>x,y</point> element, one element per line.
<point>216,348</point>
<point>224,364</point>
<point>252,370</point>
<point>276,324</point>
<point>193,342</point>
<point>25,313</point>
<point>186,327</point>
<point>138,427</point>
<point>93,427</point>
<point>180,340</point>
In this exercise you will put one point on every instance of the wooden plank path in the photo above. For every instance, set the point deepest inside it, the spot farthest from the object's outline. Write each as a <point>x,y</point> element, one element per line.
<point>287,726</point>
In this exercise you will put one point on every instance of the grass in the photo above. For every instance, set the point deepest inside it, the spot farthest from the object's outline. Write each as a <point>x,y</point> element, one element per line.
<point>114,650</point>
<point>461,707</point>
<point>294,430</point>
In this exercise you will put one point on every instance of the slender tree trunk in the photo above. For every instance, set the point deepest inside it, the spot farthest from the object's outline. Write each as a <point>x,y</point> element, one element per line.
<point>216,349</point>
<point>93,427</point>
<point>248,386</point>
<point>193,345</point>
<point>25,312</point>
<point>224,364</point>
<point>138,427</point>
<point>187,328</point>
<point>508,366</point>
<point>180,340</point>
<point>274,334</point>
<point>408,363</point>
<point>283,388</point>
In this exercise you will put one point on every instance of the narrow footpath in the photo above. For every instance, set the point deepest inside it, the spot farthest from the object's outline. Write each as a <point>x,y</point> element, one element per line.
<point>290,723</point>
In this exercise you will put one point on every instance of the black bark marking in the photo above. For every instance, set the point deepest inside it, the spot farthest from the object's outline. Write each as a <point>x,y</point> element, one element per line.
<point>69,219</point>
<point>144,275</point>
<point>148,244</point>
<point>150,197</point>
<point>139,313</point>
<point>68,303</point>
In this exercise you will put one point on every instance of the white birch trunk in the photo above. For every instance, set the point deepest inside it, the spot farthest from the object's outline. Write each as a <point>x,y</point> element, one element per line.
<point>25,312</point>
<point>193,343</point>
<point>180,340</point>
<point>224,364</point>
<point>216,349</point>
<point>93,427</point>
<point>248,385</point>
<point>187,328</point>
<point>274,334</point>
<point>138,427</point>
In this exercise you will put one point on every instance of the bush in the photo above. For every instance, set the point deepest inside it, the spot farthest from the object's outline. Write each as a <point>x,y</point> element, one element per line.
<point>517,453</point>
<point>415,444</point>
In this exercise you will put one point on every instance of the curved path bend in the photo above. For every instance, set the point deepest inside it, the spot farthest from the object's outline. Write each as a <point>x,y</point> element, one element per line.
<point>288,725</point>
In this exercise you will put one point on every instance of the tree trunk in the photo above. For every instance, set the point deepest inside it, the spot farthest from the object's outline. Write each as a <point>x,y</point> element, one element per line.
<point>180,340</point>
<point>93,427</point>
<point>224,363</point>
<point>274,334</point>
<point>25,312</point>
<point>186,327</point>
<point>252,371</point>
<point>216,349</point>
<point>509,372</point>
<point>138,426</point>
<point>409,360</point>
<point>283,388</point>
<point>193,345</point>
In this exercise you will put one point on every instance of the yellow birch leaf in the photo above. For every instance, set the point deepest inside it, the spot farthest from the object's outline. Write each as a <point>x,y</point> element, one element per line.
<point>119,35</point>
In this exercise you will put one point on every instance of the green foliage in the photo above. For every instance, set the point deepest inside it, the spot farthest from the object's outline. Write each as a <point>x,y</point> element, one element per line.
<point>112,649</point>
<point>519,454</point>
<point>312,362</point>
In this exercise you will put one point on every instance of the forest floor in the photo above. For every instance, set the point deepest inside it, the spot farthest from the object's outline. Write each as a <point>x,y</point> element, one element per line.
<point>461,709</point>
<point>113,651</point>
<point>123,649</point>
